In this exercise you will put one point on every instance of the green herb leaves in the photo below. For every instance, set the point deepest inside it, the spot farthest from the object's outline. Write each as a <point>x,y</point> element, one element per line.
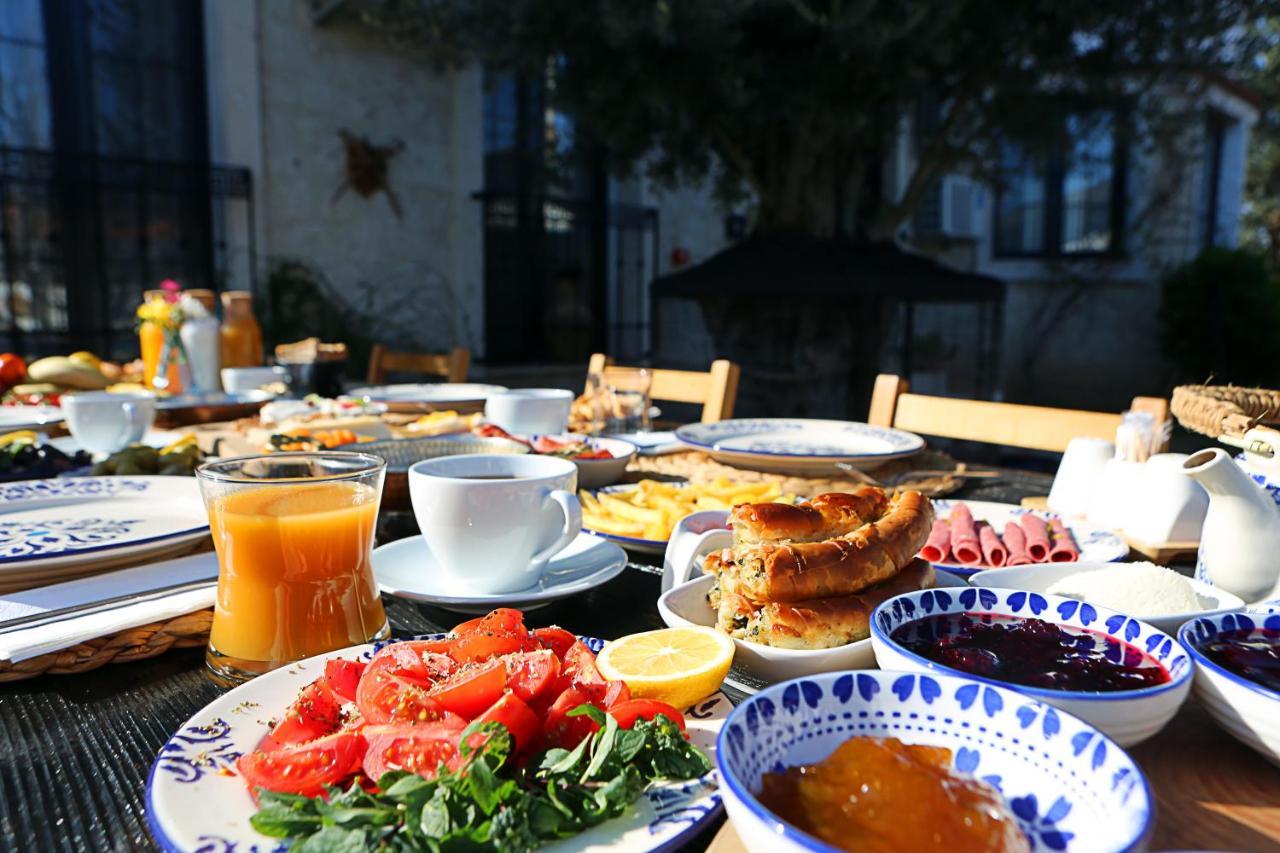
<point>489,804</point>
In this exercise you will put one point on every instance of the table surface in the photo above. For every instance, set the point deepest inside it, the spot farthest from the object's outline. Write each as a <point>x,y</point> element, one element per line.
<point>75,750</point>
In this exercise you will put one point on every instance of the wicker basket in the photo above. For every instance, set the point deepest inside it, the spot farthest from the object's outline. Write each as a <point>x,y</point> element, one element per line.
<point>1225,410</point>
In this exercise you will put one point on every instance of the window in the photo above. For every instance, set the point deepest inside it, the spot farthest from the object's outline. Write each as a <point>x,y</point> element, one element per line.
<point>1215,137</point>
<point>1067,202</point>
<point>24,84</point>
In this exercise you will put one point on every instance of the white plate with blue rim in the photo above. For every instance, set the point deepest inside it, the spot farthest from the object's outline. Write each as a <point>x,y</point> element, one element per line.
<point>407,568</point>
<point>1096,545</point>
<point>52,528</point>
<point>1067,785</point>
<point>195,802</point>
<point>799,445</point>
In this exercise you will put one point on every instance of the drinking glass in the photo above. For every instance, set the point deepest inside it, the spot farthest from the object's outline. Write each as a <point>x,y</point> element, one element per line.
<point>294,535</point>
<point>628,389</point>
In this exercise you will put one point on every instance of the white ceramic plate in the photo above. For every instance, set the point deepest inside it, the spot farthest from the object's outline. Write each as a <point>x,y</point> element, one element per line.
<point>1096,545</point>
<point>407,568</point>
<point>193,806</point>
<point>756,666</point>
<point>1039,578</point>
<point>799,445</point>
<point>212,398</point>
<point>48,525</point>
<point>441,392</point>
<point>13,418</point>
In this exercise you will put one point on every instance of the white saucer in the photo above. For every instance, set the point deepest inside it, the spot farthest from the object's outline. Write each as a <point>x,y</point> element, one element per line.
<point>407,568</point>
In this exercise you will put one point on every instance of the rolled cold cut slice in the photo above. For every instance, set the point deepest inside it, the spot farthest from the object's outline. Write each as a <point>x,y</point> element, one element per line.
<point>1016,543</point>
<point>1064,548</point>
<point>938,546</point>
<point>1037,537</point>
<point>993,550</point>
<point>965,546</point>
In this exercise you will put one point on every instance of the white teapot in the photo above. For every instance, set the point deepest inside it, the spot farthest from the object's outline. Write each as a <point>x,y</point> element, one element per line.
<point>1240,541</point>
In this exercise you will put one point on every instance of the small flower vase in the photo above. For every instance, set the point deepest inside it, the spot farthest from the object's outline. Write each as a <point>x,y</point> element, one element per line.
<point>172,354</point>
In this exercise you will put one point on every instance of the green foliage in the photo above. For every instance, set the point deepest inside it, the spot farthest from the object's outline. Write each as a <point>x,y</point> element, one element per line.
<point>800,99</point>
<point>489,804</point>
<point>1221,319</point>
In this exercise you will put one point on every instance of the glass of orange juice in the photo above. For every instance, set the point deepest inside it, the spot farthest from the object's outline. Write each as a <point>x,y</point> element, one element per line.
<point>294,534</point>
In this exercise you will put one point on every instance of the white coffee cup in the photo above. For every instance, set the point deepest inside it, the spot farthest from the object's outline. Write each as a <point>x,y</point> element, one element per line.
<point>530,411</point>
<point>237,380</point>
<point>493,522</point>
<point>107,421</point>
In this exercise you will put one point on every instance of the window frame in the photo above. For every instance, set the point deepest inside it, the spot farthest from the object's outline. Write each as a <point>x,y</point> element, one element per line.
<point>1054,177</point>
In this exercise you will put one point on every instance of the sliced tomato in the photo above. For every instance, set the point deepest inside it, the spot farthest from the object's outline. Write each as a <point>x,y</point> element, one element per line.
<point>626,713</point>
<point>414,749</point>
<point>559,729</point>
<point>384,697</point>
<point>531,675</point>
<point>315,713</point>
<point>503,620</point>
<point>471,690</point>
<point>483,646</point>
<point>419,660</point>
<point>557,639</point>
<point>593,453</point>
<point>343,676</point>
<point>580,666</point>
<point>519,718</point>
<point>303,768</point>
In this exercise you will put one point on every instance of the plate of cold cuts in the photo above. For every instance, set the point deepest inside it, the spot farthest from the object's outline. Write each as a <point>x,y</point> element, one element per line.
<point>970,536</point>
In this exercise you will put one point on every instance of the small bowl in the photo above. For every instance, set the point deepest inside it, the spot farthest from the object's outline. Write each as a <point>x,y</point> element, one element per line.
<point>1128,716</point>
<point>686,604</point>
<point>1067,784</point>
<point>1214,599</point>
<point>1247,710</point>
<point>598,473</point>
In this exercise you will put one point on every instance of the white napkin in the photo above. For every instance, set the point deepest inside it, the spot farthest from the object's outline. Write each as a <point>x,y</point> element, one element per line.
<point>30,642</point>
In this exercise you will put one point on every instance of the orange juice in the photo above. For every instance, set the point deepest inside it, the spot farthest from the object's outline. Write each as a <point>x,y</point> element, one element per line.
<point>295,574</point>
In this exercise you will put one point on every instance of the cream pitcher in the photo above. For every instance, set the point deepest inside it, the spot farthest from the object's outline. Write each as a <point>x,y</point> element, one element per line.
<point>1240,541</point>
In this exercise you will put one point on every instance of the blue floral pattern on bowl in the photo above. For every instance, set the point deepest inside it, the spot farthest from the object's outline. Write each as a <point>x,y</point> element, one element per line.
<point>1127,716</point>
<point>1068,785</point>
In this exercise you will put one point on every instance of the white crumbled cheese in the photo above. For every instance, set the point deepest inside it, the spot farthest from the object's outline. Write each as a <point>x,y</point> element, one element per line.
<point>1138,589</point>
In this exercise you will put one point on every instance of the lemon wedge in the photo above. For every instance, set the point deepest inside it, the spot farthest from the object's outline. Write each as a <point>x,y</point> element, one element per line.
<point>679,666</point>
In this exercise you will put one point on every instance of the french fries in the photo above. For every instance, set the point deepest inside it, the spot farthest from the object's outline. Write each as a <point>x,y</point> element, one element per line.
<point>652,508</point>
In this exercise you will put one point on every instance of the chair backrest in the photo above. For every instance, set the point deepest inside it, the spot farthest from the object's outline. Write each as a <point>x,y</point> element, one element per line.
<point>716,389</point>
<point>1011,424</point>
<point>452,365</point>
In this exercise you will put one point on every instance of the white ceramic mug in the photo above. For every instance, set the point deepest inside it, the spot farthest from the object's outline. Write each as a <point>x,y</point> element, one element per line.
<point>1078,475</point>
<point>237,380</point>
<point>693,537</point>
<point>107,421</point>
<point>530,411</point>
<point>492,522</point>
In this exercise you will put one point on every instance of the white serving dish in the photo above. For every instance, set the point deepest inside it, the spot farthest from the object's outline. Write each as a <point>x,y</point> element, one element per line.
<point>598,473</point>
<point>799,445</point>
<point>1248,711</point>
<point>193,806</point>
<point>1096,545</point>
<point>1069,787</point>
<point>1128,717</point>
<point>1213,599</point>
<point>433,393</point>
<point>686,604</point>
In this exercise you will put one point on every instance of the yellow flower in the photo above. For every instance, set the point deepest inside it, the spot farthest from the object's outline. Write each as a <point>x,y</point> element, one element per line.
<point>158,311</point>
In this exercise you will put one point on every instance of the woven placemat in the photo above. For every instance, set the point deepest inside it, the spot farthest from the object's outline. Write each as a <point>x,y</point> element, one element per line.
<point>144,641</point>
<point>698,467</point>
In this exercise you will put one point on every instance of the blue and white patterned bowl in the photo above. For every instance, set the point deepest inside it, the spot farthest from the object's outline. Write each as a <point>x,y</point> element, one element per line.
<point>1246,709</point>
<point>1068,785</point>
<point>1128,717</point>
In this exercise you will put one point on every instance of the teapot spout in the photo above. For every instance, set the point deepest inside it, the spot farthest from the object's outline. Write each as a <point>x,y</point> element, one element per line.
<point>1218,473</point>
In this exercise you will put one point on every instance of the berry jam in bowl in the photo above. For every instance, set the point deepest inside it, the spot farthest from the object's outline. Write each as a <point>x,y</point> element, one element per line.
<point>1237,677</point>
<point>1111,670</point>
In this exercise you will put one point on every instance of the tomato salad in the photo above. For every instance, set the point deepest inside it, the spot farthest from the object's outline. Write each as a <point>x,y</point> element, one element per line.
<point>426,707</point>
<point>546,445</point>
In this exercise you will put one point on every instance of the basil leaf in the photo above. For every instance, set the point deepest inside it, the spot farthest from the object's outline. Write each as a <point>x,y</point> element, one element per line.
<point>333,839</point>
<point>588,710</point>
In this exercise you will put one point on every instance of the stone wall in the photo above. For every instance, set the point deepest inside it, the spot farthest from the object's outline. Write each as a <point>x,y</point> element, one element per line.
<point>414,281</point>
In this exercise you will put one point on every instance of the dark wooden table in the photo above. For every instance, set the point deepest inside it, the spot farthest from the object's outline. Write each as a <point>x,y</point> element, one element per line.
<point>75,750</point>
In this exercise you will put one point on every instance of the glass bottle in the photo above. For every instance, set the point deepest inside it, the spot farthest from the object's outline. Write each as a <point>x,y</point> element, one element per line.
<point>241,334</point>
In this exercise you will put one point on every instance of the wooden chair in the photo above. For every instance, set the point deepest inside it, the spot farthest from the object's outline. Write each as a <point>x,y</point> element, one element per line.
<point>1034,427</point>
<point>452,366</point>
<point>716,390</point>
